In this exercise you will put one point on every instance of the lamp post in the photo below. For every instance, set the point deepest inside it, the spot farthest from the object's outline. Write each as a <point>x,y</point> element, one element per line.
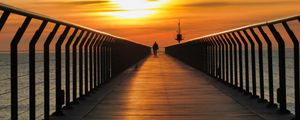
<point>179,35</point>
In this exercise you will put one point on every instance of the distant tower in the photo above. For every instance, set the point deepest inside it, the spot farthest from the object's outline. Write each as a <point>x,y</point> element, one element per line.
<point>179,35</point>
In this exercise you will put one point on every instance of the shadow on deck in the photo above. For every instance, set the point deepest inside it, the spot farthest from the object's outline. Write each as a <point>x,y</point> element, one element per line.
<point>164,88</point>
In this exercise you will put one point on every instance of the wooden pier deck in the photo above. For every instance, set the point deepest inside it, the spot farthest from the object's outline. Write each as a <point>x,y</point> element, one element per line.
<point>162,88</point>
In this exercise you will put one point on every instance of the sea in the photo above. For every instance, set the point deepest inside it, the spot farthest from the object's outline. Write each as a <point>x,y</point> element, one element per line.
<point>23,81</point>
<point>23,84</point>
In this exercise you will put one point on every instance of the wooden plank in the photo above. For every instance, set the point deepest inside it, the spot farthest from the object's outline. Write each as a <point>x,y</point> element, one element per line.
<point>163,88</point>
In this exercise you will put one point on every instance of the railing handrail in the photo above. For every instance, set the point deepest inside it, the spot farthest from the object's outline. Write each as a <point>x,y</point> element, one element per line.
<point>275,21</point>
<point>100,58</point>
<point>214,48</point>
<point>38,16</point>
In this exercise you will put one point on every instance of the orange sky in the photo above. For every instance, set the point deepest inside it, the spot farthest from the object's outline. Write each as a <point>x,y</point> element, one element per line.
<point>157,19</point>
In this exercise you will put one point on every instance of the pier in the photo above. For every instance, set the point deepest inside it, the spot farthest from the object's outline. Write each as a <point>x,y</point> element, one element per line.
<point>93,75</point>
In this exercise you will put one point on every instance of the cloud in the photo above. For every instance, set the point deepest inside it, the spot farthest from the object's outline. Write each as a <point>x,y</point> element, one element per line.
<point>83,2</point>
<point>98,10</point>
<point>223,4</point>
<point>152,0</point>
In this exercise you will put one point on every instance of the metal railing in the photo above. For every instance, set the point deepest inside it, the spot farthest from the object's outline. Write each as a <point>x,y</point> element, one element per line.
<point>101,57</point>
<point>225,56</point>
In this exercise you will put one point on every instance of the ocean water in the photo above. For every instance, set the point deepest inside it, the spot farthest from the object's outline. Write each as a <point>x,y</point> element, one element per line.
<point>24,81</point>
<point>23,85</point>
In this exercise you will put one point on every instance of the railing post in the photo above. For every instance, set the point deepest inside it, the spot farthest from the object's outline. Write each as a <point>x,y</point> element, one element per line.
<point>196,56</point>
<point>261,66</point>
<point>208,54</point>
<point>200,55</point>
<point>3,19</point>
<point>204,51</point>
<point>14,67</point>
<point>107,58</point>
<point>219,57</point>
<point>296,69</point>
<point>206,61</point>
<point>246,62</point>
<point>91,54</point>
<point>270,67</point>
<point>282,77</point>
<point>58,91</point>
<point>96,69</point>
<point>227,57</point>
<point>86,64</point>
<point>203,61</point>
<point>212,56</point>
<point>81,64</point>
<point>100,60</point>
<point>99,49</point>
<point>32,80</point>
<point>253,67</point>
<point>47,72</point>
<point>198,65</point>
<point>235,60</point>
<point>215,57</point>
<point>67,66</point>
<point>241,87</point>
<point>223,58</point>
<point>218,47</point>
<point>110,58</point>
<point>103,57</point>
<point>74,56</point>
<point>230,58</point>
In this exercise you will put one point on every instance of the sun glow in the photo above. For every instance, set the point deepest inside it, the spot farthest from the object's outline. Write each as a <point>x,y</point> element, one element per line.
<point>131,9</point>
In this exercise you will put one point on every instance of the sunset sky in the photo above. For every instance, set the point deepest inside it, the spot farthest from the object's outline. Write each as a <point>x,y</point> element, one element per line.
<point>146,21</point>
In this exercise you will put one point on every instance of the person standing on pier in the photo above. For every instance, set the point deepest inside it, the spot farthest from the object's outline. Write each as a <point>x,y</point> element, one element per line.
<point>155,48</point>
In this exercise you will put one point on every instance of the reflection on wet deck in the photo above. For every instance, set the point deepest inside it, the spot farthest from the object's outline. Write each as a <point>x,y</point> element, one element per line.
<point>163,88</point>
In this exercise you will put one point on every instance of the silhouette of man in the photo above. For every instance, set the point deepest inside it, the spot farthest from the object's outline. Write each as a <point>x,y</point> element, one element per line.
<point>155,48</point>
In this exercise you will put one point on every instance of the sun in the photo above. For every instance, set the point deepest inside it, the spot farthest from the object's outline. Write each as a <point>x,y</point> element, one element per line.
<point>131,9</point>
